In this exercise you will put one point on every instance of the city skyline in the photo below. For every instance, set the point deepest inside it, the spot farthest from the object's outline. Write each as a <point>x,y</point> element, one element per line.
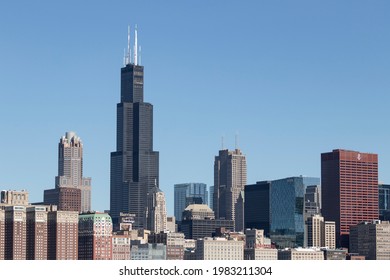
<point>293,81</point>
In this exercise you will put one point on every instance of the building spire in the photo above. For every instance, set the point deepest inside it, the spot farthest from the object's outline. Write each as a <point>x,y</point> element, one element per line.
<point>135,46</point>
<point>128,56</point>
<point>124,57</point>
<point>139,50</point>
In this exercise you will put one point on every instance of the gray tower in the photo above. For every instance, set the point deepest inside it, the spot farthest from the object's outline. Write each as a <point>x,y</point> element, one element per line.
<point>229,181</point>
<point>134,165</point>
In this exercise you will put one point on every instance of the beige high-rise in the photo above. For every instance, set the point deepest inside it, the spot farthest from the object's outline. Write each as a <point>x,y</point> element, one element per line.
<point>156,214</point>
<point>72,191</point>
<point>320,233</point>
<point>229,180</point>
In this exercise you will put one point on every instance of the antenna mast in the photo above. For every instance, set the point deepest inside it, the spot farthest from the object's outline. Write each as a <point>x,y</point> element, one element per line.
<point>124,57</point>
<point>135,47</point>
<point>128,57</point>
<point>140,55</point>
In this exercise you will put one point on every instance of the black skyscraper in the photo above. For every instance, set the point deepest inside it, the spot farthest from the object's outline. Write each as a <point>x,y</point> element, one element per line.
<point>134,165</point>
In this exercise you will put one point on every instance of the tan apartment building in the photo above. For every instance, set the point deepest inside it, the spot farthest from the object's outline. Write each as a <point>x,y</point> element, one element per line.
<point>219,249</point>
<point>301,254</point>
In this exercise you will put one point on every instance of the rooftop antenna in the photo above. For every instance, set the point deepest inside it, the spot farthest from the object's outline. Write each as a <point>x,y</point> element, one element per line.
<point>135,46</point>
<point>236,138</point>
<point>128,57</point>
<point>222,143</point>
<point>139,49</point>
<point>124,57</point>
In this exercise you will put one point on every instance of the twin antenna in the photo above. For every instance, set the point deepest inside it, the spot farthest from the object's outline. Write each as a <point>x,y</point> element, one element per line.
<point>127,59</point>
<point>236,142</point>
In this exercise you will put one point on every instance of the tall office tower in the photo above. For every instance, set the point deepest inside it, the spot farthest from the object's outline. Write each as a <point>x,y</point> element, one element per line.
<point>229,181</point>
<point>95,236</point>
<point>371,239</point>
<point>62,234</point>
<point>211,197</point>
<point>384,202</point>
<point>186,194</point>
<point>349,183</point>
<point>36,239</point>
<point>312,201</point>
<point>278,208</point>
<point>15,233</point>
<point>239,216</point>
<point>134,165</point>
<point>156,212</point>
<point>2,233</point>
<point>72,191</point>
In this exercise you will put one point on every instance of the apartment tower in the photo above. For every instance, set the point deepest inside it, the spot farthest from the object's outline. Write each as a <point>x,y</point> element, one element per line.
<point>62,234</point>
<point>15,233</point>
<point>36,235</point>
<point>95,236</point>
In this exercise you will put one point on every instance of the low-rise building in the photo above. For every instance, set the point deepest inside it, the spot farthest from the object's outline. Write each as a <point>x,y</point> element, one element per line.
<point>219,249</point>
<point>147,251</point>
<point>260,254</point>
<point>301,254</point>
<point>174,242</point>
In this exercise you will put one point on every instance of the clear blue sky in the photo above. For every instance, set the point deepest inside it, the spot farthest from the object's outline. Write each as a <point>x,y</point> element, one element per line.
<point>292,78</point>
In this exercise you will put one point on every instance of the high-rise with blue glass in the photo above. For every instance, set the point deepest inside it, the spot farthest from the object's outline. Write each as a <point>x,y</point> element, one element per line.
<point>384,202</point>
<point>277,207</point>
<point>189,193</point>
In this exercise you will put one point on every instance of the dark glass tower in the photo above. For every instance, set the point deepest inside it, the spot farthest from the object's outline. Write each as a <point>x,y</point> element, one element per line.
<point>134,165</point>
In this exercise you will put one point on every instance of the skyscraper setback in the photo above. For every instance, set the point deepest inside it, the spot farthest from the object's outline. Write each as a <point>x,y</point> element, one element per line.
<point>72,191</point>
<point>229,181</point>
<point>134,164</point>
<point>349,184</point>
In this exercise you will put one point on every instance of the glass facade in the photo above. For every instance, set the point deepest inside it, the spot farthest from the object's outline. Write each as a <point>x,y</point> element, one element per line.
<point>384,202</point>
<point>189,193</point>
<point>287,208</point>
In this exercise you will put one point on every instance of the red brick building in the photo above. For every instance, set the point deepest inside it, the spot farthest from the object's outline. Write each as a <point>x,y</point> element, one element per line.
<point>349,185</point>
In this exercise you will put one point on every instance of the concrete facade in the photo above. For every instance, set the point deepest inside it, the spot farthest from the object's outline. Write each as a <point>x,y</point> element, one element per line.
<point>371,239</point>
<point>219,249</point>
<point>230,175</point>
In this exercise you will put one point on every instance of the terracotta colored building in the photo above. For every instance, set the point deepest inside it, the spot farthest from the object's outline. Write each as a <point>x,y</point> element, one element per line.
<point>62,235</point>
<point>95,236</point>
<point>349,182</point>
